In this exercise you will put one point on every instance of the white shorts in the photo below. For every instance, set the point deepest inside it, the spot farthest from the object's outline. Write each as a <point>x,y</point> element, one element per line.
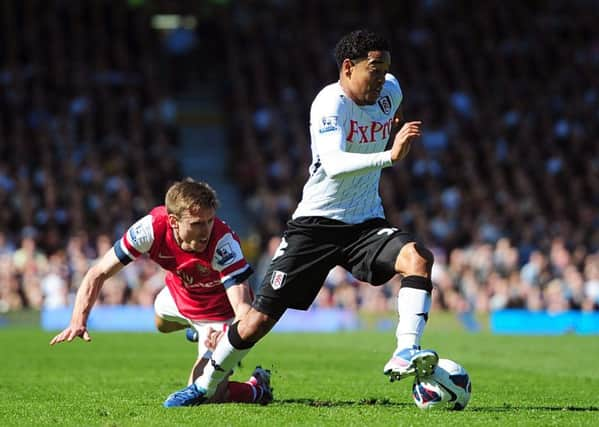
<point>165,308</point>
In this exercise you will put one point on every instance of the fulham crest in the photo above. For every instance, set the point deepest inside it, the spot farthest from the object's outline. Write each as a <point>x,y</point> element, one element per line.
<point>385,104</point>
<point>277,280</point>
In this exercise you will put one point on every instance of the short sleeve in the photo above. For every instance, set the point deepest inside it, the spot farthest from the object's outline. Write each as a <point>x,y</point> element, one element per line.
<point>137,240</point>
<point>228,259</point>
<point>394,88</point>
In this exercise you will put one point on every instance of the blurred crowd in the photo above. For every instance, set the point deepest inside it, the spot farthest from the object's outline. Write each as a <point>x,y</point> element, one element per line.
<point>503,186</point>
<point>87,139</point>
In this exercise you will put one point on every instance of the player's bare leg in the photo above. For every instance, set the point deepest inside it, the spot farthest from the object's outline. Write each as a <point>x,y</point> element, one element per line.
<point>167,326</point>
<point>255,325</point>
<point>414,263</point>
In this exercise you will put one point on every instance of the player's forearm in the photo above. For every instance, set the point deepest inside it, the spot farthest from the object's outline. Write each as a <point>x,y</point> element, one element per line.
<point>403,152</point>
<point>241,310</point>
<point>87,295</point>
<point>239,298</point>
<point>338,164</point>
<point>92,282</point>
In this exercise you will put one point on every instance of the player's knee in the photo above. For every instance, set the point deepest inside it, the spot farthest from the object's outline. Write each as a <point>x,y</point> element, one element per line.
<point>415,259</point>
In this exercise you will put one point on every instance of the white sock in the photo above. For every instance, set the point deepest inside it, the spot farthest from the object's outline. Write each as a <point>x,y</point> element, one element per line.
<point>411,305</point>
<point>225,357</point>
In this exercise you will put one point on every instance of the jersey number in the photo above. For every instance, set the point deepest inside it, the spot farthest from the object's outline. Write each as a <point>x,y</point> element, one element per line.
<point>314,168</point>
<point>281,249</point>
<point>387,231</point>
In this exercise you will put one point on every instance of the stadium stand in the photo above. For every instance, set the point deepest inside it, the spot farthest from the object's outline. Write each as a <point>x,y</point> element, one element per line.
<point>504,184</point>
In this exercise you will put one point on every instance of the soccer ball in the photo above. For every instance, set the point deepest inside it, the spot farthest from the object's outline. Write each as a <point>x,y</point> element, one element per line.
<point>449,387</point>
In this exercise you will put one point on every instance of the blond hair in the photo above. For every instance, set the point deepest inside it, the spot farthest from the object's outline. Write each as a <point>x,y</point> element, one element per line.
<point>189,194</point>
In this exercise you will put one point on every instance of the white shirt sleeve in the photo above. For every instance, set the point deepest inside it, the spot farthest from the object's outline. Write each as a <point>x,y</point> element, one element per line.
<point>227,252</point>
<point>339,163</point>
<point>395,88</point>
<point>138,239</point>
<point>228,259</point>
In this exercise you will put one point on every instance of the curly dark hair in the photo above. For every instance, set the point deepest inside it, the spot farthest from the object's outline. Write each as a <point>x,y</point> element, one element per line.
<point>358,43</point>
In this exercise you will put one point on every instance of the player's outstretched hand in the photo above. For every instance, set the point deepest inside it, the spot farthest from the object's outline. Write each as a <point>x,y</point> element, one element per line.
<point>70,333</point>
<point>403,139</point>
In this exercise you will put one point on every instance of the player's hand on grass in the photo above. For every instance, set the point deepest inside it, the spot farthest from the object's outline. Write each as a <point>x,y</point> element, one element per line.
<point>403,139</point>
<point>70,333</point>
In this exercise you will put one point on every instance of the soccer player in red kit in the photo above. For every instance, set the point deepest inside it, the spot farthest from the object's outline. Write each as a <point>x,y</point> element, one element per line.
<point>206,280</point>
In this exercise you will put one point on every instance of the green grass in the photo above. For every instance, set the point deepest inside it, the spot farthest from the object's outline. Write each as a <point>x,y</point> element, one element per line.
<point>319,379</point>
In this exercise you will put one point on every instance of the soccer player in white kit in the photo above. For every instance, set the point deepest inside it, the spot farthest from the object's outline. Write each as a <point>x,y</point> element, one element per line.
<point>340,219</point>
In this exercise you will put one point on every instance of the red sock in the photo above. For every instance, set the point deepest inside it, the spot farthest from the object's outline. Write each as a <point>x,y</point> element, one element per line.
<point>242,392</point>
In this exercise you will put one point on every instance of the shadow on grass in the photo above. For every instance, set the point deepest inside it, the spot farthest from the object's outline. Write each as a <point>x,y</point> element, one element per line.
<point>512,408</point>
<point>386,402</point>
<point>339,403</point>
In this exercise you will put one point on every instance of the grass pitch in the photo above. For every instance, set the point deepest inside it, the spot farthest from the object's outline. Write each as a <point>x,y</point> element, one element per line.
<point>121,379</point>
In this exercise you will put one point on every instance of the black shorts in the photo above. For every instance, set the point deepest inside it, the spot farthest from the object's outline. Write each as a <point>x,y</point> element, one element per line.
<point>311,247</point>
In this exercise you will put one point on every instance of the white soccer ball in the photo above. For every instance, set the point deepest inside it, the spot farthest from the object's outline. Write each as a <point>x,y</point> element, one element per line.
<point>449,387</point>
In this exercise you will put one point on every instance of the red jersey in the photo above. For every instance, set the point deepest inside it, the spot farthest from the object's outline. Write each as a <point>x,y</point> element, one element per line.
<point>197,281</point>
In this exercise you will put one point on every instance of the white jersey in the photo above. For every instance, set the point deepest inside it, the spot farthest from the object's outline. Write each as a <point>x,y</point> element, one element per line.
<point>348,153</point>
